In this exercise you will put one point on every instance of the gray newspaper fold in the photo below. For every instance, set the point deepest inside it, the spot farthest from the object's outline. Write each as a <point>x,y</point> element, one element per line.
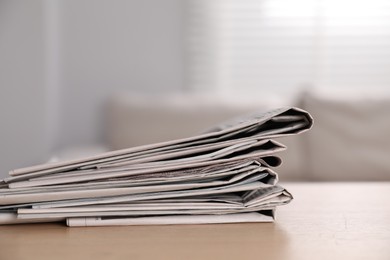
<point>222,176</point>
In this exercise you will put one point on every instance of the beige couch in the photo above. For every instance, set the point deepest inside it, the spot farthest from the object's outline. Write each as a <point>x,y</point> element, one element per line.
<point>349,141</point>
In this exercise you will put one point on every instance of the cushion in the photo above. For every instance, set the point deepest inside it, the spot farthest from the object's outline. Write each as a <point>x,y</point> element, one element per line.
<point>136,120</point>
<point>350,138</point>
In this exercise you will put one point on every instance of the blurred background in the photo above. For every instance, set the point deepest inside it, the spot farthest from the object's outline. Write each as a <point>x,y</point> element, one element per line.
<point>82,77</point>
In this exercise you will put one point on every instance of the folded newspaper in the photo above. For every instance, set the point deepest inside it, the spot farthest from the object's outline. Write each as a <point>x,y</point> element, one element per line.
<point>222,176</point>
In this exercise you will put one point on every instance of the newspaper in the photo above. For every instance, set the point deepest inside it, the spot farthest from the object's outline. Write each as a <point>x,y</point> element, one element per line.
<point>222,176</point>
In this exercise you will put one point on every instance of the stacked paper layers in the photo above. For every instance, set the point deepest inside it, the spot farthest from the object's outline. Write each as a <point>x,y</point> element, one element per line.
<point>222,176</point>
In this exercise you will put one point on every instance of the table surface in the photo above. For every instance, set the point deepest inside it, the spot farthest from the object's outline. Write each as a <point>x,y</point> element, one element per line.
<point>325,220</point>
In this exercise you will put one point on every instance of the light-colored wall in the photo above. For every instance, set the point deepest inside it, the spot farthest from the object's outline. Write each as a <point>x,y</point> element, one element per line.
<point>60,60</point>
<point>112,46</point>
<point>23,104</point>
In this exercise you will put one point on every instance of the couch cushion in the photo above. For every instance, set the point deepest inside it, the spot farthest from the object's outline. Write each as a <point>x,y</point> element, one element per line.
<point>350,139</point>
<point>138,120</point>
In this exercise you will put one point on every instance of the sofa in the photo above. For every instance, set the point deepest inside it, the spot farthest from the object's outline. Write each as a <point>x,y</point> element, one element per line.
<point>349,141</point>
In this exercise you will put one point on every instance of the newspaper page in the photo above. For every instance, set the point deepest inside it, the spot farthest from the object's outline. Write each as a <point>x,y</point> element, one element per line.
<point>222,176</point>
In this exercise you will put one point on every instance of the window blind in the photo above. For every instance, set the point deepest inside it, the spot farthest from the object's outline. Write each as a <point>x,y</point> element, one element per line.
<point>281,45</point>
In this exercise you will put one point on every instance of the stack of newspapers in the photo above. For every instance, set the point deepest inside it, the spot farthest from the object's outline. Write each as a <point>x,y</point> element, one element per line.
<point>222,176</point>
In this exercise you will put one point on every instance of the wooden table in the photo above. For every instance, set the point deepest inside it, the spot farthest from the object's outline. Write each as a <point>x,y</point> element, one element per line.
<point>325,221</point>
